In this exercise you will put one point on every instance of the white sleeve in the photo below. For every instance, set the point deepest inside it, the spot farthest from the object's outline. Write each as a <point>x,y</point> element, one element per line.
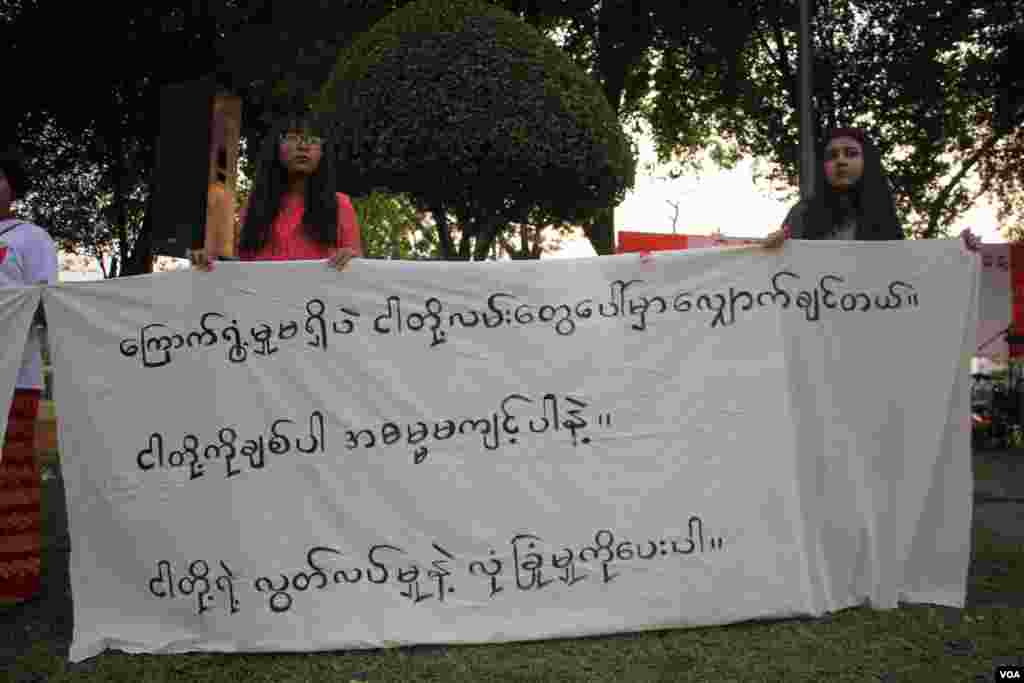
<point>41,259</point>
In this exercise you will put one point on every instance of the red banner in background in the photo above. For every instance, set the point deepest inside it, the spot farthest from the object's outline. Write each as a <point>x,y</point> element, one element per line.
<point>1017,296</point>
<point>650,241</point>
<point>659,241</point>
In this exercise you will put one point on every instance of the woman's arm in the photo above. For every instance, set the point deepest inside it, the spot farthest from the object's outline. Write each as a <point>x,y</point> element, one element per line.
<point>792,228</point>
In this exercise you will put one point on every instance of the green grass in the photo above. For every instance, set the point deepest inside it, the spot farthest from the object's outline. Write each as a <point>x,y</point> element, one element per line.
<point>984,470</point>
<point>1008,556</point>
<point>856,645</point>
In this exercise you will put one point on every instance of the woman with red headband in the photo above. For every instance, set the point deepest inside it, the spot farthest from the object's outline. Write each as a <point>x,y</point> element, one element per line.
<point>851,201</point>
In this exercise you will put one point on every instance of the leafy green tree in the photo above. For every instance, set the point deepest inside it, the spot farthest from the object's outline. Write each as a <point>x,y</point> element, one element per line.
<point>391,227</point>
<point>62,178</point>
<point>472,112</point>
<point>938,83</point>
<point>95,143</point>
<point>1001,169</point>
<point>276,54</point>
<point>540,234</point>
<point>652,59</point>
<point>921,76</point>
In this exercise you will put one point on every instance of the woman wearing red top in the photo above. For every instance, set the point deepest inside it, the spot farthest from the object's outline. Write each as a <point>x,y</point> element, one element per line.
<point>294,212</point>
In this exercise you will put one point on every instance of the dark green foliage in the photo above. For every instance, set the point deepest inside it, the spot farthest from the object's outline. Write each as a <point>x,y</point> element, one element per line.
<point>464,106</point>
<point>389,224</point>
<point>931,81</point>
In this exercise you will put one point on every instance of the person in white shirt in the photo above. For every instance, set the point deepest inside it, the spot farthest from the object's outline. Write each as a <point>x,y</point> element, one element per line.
<point>28,257</point>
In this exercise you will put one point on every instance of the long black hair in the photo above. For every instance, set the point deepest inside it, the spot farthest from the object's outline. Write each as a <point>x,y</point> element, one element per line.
<point>320,209</point>
<point>12,163</point>
<point>872,203</point>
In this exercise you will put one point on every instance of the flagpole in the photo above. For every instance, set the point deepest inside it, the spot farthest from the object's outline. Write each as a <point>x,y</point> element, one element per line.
<point>807,157</point>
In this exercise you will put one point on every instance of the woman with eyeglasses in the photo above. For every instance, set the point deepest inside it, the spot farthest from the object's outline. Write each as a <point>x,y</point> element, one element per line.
<point>294,212</point>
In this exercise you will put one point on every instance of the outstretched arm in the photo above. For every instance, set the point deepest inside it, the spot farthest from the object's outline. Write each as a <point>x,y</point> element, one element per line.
<point>792,228</point>
<point>348,235</point>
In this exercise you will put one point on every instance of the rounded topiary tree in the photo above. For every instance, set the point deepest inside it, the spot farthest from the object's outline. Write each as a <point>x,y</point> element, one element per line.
<point>474,113</point>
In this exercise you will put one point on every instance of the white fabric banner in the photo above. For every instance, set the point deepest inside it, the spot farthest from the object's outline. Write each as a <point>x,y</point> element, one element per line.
<point>711,241</point>
<point>280,457</point>
<point>17,309</point>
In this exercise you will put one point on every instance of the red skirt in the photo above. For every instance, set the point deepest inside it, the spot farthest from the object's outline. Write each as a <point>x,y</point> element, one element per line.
<point>20,494</point>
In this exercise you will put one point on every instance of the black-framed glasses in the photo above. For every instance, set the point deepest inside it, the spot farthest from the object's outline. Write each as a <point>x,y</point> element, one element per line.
<point>301,139</point>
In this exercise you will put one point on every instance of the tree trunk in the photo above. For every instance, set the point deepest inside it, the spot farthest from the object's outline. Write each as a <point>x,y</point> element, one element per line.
<point>619,47</point>
<point>536,251</point>
<point>120,208</point>
<point>141,261</point>
<point>466,240</point>
<point>485,235</point>
<point>103,266</point>
<point>444,235</point>
<point>397,233</point>
<point>486,226</point>
<point>601,232</point>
